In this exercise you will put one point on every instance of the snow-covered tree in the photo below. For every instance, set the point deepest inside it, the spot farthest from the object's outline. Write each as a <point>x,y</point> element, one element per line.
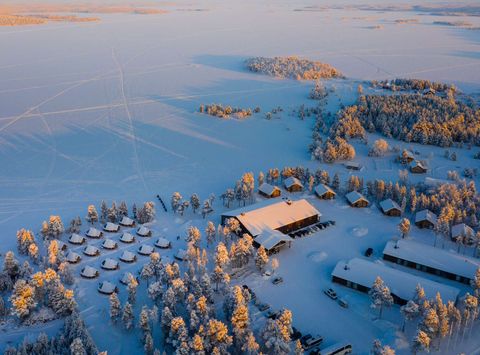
<point>421,342</point>
<point>103,211</point>
<point>404,227</point>
<point>175,200</point>
<point>210,232</point>
<point>207,208</point>
<point>410,311</point>
<point>195,202</point>
<point>221,255</point>
<point>33,252</point>
<point>166,319</point>
<point>298,348</point>
<point>132,288</point>
<point>273,338</point>
<point>55,227</point>
<point>379,349</point>
<point>76,348</point>
<point>92,214</point>
<point>11,265</point>
<point>261,259</point>
<point>115,307</point>
<point>217,337</point>
<point>380,295</point>
<point>128,316</point>
<point>122,210</point>
<point>194,236</point>
<point>274,263</point>
<point>65,273</point>
<point>143,321</point>
<point>24,239</point>
<point>155,291</point>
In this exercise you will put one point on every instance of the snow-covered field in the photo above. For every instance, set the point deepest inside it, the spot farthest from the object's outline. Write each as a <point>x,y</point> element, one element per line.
<point>108,111</point>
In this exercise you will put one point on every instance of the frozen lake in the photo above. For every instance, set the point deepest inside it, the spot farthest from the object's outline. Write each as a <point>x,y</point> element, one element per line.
<point>107,110</point>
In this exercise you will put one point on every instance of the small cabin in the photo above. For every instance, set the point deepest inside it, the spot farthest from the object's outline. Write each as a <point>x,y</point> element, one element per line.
<point>127,222</point>
<point>390,208</point>
<point>128,257</point>
<point>269,191</point>
<point>145,249</point>
<point>76,239</point>
<point>89,272</point>
<point>425,219</point>
<point>406,157</point>
<point>90,250</point>
<point>93,233</point>
<point>351,165</point>
<point>417,167</point>
<point>107,288</point>
<point>462,232</point>
<point>111,227</point>
<point>73,257</point>
<point>163,243</point>
<point>109,244</point>
<point>292,184</point>
<point>356,199</point>
<point>127,238</point>
<point>324,192</point>
<point>110,264</point>
<point>144,232</point>
<point>181,255</point>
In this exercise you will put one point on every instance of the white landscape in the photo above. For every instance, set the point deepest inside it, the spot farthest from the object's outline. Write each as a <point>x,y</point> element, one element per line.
<point>124,109</point>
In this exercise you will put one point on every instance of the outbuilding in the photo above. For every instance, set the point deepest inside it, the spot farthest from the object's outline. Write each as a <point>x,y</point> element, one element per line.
<point>436,261</point>
<point>110,264</point>
<point>127,222</point>
<point>91,250</point>
<point>89,272</point>
<point>270,191</point>
<point>163,243</point>
<point>128,257</point>
<point>127,238</point>
<point>360,274</point>
<point>76,239</point>
<point>94,233</point>
<point>144,232</point>
<point>107,288</point>
<point>292,184</point>
<point>181,255</point>
<point>417,167</point>
<point>356,199</point>
<point>425,219</point>
<point>73,257</point>
<point>353,165</point>
<point>390,208</point>
<point>109,244</point>
<point>272,241</point>
<point>324,192</point>
<point>463,232</point>
<point>111,227</point>
<point>145,249</point>
<point>284,216</point>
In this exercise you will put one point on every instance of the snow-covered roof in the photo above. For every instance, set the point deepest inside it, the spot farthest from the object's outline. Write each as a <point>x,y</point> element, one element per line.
<point>127,256</point>
<point>127,222</point>
<point>355,196</point>
<point>270,239</point>
<point>292,181</point>
<point>162,243</point>
<point>322,189</point>
<point>426,215</point>
<point>106,287</point>
<point>416,163</point>
<point>91,250</point>
<point>143,231</point>
<point>76,239</point>
<point>145,249</point>
<point>127,238</point>
<point>436,258</point>
<point>73,257</point>
<point>109,244</point>
<point>461,230</point>
<point>388,205</point>
<point>89,271</point>
<point>93,232</point>
<point>352,164</point>
<point>272,214</point>
<point>181,254</point>
<point>61,245</point>
<point>267,189</point>
<point>126,278</point>
<point>109,264</point>
<point>111,227</point>
<point>402,284</point>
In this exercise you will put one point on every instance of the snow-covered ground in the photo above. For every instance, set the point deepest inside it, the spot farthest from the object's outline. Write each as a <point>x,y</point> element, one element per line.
<point>108,111</point>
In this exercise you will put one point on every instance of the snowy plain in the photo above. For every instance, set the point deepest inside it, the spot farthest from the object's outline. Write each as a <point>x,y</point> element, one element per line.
<point>108,111</point>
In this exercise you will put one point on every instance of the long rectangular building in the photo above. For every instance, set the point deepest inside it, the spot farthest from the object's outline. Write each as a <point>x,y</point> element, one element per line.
<point>360,275</point>
<point>276,214</point>
<point>426,258</point>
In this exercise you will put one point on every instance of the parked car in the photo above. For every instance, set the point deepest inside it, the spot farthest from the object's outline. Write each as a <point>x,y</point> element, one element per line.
<point>271,314</point>
<point>342,303</point>
<point>296,334</point>
<point>277,280</point>
<point>267,273</point>
<point>305,338</point>
<point>331,293</point>
<point>368,252</point>
<point>312,342</point>
<point>263,307</point>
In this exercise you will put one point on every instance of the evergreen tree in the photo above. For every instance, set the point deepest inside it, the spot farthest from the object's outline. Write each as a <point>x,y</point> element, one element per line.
<point>76,348</point>
<point>261,259</point>
<point>404,227</point>
<point>195,202</point>
<point>115,307</point>
<point>103,212</point>
<point>128,316</point>
<point>380,295</point>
